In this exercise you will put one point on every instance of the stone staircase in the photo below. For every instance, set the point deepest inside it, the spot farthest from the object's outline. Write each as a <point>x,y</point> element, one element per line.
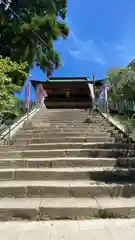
<point>67,164</point>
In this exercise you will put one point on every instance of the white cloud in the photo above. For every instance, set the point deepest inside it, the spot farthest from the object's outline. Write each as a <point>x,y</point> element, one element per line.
<point>85,50</point>
<point>102,52</point>
<point>125,50</point>
<point>100,61</point>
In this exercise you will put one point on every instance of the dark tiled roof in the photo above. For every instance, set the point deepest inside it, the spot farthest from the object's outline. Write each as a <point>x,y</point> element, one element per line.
<point>67,79</point>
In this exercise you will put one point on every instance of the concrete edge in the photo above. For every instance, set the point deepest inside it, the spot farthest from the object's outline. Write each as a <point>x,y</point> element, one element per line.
<point>117,124</point>
<point>18,125</point>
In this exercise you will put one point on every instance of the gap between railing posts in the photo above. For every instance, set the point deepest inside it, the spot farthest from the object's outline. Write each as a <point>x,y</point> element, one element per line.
<point>123,111</point>
<point>9,121</point>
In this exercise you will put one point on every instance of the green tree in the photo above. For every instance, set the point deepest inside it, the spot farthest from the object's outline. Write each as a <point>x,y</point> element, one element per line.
<point>12,76</point>
<point>122,82</point>
<point>32,40</point>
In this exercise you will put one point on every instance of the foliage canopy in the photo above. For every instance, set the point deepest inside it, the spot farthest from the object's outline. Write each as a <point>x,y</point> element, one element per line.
<point>122,82</point>
<point>32,39</point>
<point>12,76</point>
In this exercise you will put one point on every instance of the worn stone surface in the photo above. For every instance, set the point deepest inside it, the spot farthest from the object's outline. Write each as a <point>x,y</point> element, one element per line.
<point>67,164</point>
<point>69,230</point>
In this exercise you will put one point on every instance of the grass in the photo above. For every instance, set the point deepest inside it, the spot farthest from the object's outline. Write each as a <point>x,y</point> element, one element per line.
<point>123,119</point>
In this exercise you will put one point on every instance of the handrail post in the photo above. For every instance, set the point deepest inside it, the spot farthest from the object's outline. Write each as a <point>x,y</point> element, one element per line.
<point>27,113</point>
<point>9,135</point>
<point>93,78</point>
<point>107,109</point>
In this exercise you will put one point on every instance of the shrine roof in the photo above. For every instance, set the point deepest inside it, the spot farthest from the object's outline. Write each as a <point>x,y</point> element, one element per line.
<point>65,80</point>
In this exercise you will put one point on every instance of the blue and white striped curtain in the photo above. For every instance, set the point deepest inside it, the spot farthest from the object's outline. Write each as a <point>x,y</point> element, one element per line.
<point>91,89</point>
<point>103,99</point>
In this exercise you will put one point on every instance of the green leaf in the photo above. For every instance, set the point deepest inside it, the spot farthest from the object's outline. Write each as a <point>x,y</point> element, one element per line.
<point>12,76</point>
<point>44,22</point>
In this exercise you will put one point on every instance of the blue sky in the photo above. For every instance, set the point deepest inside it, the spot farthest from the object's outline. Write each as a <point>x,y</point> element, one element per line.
<point>102,36</point>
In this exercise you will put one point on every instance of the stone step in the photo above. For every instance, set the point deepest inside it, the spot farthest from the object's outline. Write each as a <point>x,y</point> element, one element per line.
<point>71,129</point>
<point>107,174</point>
<point>75,120</point>
<point>82,145</point>
<point>66,188</point>
<point>67,125</point>
<point>65,208</point>
<point>95,153</point>
<point>70,115</point>
<point>53,139</point>
<point>64,162</point>
<point>63,134</point>
<point>68,119</point>
<point>78,120</point>
<point>5,147</point>
<point>84,121</point>
<point>56,115</point>
<point>61,173</point>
